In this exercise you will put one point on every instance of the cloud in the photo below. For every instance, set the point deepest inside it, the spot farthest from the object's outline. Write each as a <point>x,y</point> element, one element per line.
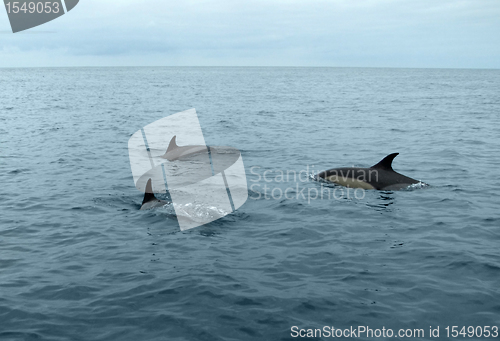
<point>458,33</point>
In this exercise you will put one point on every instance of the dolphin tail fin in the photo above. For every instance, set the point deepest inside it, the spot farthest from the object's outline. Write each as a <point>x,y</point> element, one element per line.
<point>149,195</point>
<point>386,162</point>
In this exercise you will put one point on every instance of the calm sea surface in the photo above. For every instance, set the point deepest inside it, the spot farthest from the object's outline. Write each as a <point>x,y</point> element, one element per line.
<point>79,261</point>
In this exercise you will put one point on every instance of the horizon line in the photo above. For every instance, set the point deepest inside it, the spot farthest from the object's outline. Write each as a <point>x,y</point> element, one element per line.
<point>251,66</point>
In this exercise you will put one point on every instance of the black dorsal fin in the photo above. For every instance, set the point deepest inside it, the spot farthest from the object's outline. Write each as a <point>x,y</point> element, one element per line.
<point>173,144</point>
<point>148,195</point>
<point>386,162</point>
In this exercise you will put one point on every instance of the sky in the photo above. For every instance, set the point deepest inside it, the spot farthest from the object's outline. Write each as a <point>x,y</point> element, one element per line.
<point>333,33</point>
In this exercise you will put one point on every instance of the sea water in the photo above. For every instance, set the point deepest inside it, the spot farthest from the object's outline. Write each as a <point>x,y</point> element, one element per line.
<point>79,261</point>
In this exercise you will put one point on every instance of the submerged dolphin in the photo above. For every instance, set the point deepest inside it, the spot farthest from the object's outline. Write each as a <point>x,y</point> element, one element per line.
<point>150,201</point>
<point>380,176</point>
<point>174,152</point>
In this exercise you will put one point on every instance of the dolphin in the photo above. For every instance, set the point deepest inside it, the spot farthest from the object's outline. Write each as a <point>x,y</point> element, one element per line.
<point>150,201</point>
<point>380,176</point>
<point>174,152</point>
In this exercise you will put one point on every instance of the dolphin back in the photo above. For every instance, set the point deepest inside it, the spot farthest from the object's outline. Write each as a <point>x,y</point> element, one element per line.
<point>380,176</point>
<point>175,152</point>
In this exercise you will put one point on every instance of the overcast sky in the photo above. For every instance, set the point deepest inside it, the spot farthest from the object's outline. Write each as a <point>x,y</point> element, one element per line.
<point>372,33</point>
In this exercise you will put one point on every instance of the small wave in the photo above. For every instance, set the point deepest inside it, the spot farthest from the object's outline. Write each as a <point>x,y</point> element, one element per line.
<point>418,185</point>
<point>18,171</point>
<point>198,212</point>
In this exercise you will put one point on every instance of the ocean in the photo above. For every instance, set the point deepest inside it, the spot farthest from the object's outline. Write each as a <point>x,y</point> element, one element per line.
<point>80,261</point>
